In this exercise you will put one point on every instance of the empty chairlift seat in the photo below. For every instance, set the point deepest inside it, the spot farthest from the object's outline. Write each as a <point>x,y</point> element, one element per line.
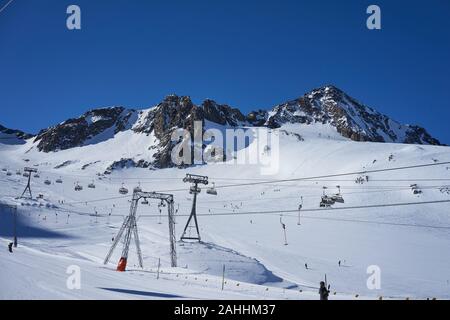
<point>338,197</point>
<point>138,188</point>
<point>212,190</point>
<point>123,190</point>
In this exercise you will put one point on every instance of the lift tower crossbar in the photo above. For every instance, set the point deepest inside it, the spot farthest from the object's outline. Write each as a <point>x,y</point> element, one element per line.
<point>129,227</point>
<point>194,190</point>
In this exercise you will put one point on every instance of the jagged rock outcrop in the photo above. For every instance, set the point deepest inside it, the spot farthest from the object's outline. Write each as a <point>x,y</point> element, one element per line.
<point>12,136</point>
<point>352,119</point>
<point>179,112</point>
<point>82,131</point>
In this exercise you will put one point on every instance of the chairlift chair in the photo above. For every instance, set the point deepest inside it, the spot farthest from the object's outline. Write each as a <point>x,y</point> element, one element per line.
<point>145,201</point>
<point>47,182</point>
<point>26,174</point>
<point>326,201</point>
<point>212,190</point>
<point>91,185</point>
<point>338,197</point>
<point>9,173</point>
<point>18,172</point>
<point>123,190</point>
<point>78,187</point>
<point>36,175</point>
<point>138,188</point>
<point>59,180</point>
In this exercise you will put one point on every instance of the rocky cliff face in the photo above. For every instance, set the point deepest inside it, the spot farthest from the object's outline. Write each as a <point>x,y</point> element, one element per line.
<point>83,130</point>
<point>352,119</point>
<point>11,136</point>
<point>176,112</point>
<point>13,132</point>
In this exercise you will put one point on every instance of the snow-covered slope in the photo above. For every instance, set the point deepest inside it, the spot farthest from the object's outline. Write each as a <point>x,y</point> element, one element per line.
<point>408,243</point>
<point>241,227</point>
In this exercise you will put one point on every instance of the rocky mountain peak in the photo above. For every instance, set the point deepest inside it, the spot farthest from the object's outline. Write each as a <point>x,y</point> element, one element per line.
<point>352,119</point>
<point>179,112</point>
<point>12,136</point>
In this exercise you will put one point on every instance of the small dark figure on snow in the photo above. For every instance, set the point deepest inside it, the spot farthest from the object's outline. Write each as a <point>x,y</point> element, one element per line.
<point>324,292</point>
<point>10,247</point>
<point>306,266</point>
<point>339,263</point>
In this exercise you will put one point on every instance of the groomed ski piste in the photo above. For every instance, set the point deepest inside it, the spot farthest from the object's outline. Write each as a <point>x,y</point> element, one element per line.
<point>240,226</point>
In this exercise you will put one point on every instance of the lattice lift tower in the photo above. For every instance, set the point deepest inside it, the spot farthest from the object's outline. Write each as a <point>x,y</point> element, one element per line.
<point>28,187</point>
<point>129,227</point>
<point>194,190</point>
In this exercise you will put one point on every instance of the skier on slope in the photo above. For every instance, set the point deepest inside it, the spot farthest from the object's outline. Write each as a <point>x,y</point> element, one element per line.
<point>324,292</point>
<point>10,247</point>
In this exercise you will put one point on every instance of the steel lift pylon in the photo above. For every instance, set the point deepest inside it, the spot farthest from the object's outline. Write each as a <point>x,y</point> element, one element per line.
<point>129,228</point>
<point>28,187</point>
<point>194,190</point>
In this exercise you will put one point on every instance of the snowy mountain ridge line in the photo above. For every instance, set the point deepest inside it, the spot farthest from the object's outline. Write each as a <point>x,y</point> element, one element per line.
<point>324,111</point>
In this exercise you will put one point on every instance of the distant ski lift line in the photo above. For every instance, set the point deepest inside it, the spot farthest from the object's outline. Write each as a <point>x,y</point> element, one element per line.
<point>265,181</point>
<point>286,180</point>
<point>277,213</point>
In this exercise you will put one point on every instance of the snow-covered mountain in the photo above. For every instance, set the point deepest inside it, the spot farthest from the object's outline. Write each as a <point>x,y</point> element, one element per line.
<point>92,127</point>
<point>320,110</point>
<point>408,243</point>
<point>353,120</point>
<point>397,220</point>
<point>11,136</point>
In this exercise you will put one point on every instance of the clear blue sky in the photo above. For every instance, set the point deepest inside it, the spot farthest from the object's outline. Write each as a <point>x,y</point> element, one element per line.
<point>247,53</point>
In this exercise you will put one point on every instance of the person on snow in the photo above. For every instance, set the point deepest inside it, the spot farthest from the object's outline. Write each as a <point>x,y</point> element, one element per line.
<point>323,291</point>
<point>10,247</point>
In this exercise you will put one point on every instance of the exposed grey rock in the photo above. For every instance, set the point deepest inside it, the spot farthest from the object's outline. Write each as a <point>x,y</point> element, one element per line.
<point>326,105</point>
<point>352,119</point>
<point>78,132</point>
<point>12,136</point>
